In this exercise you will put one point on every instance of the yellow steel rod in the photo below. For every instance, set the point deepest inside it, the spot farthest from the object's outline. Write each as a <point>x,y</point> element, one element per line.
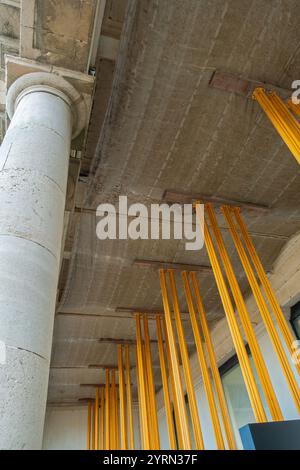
<point>203,366</point>
<point>107,410</point>
<point>267,319</point>
<point>113,410</point>
<point>143,399</point>
<point>172,382</point>
<point>285,123</point>
<point>182,413</point>
<point>164,376</point>
<point>129,398</point>
<point>149,410</point>
<point>242,355</point>
<point>295,108</point>
<point>101,418</point>
<point>117,419</point>
<point>287,335</point>
<point>93,426</point>
<point>151,386</point>
<point>96,417</point>
<point>123,426</point>
<point>186,365</point>
<point>140,401</point>
<point>89,424</point>
<point>213,365</point>
<point>245,320</point>
<point>285,114</point>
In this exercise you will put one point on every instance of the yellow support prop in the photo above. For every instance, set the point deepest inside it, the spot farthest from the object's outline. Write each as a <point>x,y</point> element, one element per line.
<point>267,319</point>
<point>203,366</point>
<point>151,386</point>
<point>123,423</point>
<point>284,329</point>
<point>242,355</point>
<point>285,113</point>
<point>186,366</point>
<point>129,398</point>
<point>284,122</point>
<point>295,108</point>
<point>93,426</point>
<point>107,410</point>
<point>182,413</point>
<point>245,320</point>
<point>149,411</point>
<point>143,437</point>
<point>113,410</point>
<point>172,382</point>
<point>101,418</point>
<point>164,376</point>
<point>142,385</point>
<point>96,417</point>
<point>89,425</point>
<point>117,419</point>
<point>213,365</point>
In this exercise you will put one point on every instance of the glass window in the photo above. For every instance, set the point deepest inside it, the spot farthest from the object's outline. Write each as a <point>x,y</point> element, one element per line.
<point>295,319</point>
<point>236,395</point>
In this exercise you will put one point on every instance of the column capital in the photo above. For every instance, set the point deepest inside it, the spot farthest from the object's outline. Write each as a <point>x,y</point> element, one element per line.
<point>25,76</point>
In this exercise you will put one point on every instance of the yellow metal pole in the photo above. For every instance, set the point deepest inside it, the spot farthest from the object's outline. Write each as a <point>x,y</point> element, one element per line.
<point>186,365</point>
<point>203,366</point>
<point>287,117</point>
<point>267,319</point>
<point>142,434</point>
<point>173,394</point>
<point>163,369</point>
<point>245,319</point>
<point>142,384</point>
<point>117,418</point>
<point>107,410</point>
<point>93,426</point>
<point>89,424</point>
<point>251,386</point>
<point>101,418</point>
<point>284,329</point>
<point>113,410</point>
<point>149,411</point>
<point>151,386</point>
<point>129,398</point>
<point>96,417</point>
<point>182,413</point>
<point>283,121</point>
<point>295,108</point>
<point>213,365</point>
<point>122,400</point>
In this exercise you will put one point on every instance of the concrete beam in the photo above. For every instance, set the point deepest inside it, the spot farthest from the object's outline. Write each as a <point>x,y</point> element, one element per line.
<point>170,265</point>
<point>242,86</point>
<point>188,198</point>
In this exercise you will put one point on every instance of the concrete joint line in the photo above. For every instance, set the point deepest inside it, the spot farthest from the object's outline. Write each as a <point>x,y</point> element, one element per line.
<point>32,171</point>
<point>37,126</point>
<point>30,241</point>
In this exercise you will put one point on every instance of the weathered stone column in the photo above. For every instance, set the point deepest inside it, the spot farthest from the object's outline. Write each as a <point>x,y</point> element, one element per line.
<point>45,110</point>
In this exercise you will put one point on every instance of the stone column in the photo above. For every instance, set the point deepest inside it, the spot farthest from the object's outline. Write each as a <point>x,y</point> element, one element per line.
<point>45,110</point>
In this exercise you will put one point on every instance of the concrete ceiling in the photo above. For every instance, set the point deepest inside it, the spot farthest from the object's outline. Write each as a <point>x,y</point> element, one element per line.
<point>158,124</point>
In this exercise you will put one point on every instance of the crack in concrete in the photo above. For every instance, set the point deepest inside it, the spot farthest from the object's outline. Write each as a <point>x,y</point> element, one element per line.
<point>29,351</point>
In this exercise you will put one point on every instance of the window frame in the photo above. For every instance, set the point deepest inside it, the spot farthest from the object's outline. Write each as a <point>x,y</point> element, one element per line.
<point>295,314</point>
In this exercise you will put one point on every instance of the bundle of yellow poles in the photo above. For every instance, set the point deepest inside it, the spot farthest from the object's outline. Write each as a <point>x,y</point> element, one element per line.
<point>110,420</point>
<point>110,416</point>
<point>282,117</point>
